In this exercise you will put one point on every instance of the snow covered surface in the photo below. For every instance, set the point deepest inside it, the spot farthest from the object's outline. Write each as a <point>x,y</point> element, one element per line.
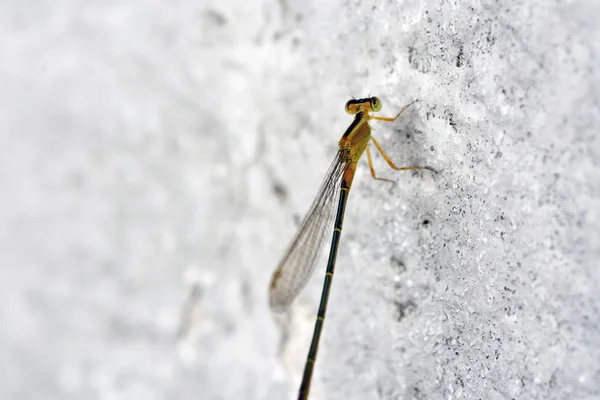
<point>157,156</point>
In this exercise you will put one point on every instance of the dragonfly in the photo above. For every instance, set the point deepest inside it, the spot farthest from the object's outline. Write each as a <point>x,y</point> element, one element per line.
<point>298,263</point>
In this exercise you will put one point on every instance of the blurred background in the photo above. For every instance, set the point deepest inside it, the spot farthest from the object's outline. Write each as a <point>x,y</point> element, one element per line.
<point>157,157</point>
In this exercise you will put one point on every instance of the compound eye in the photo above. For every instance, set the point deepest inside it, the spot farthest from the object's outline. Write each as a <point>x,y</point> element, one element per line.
<point>375,103</point>
<point>351,107</point>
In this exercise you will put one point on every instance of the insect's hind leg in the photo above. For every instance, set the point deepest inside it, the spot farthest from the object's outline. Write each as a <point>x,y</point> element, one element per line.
<point>390,162</point>
<point>373,168</point>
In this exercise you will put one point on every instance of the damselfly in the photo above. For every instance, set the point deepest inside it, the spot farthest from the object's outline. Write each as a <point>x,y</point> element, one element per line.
<point>298,262</point>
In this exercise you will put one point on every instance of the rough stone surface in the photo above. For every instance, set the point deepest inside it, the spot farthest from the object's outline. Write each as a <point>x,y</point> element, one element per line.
<point>156,158</point>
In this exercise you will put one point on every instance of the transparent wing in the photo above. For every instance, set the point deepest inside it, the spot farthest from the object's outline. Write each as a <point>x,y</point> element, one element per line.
<point>298,262</point>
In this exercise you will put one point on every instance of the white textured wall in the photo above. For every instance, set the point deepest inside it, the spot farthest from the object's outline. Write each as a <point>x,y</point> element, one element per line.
<point>157,156</point>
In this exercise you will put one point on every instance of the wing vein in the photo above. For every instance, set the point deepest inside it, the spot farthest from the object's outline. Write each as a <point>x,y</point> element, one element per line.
<point>298,263</point>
